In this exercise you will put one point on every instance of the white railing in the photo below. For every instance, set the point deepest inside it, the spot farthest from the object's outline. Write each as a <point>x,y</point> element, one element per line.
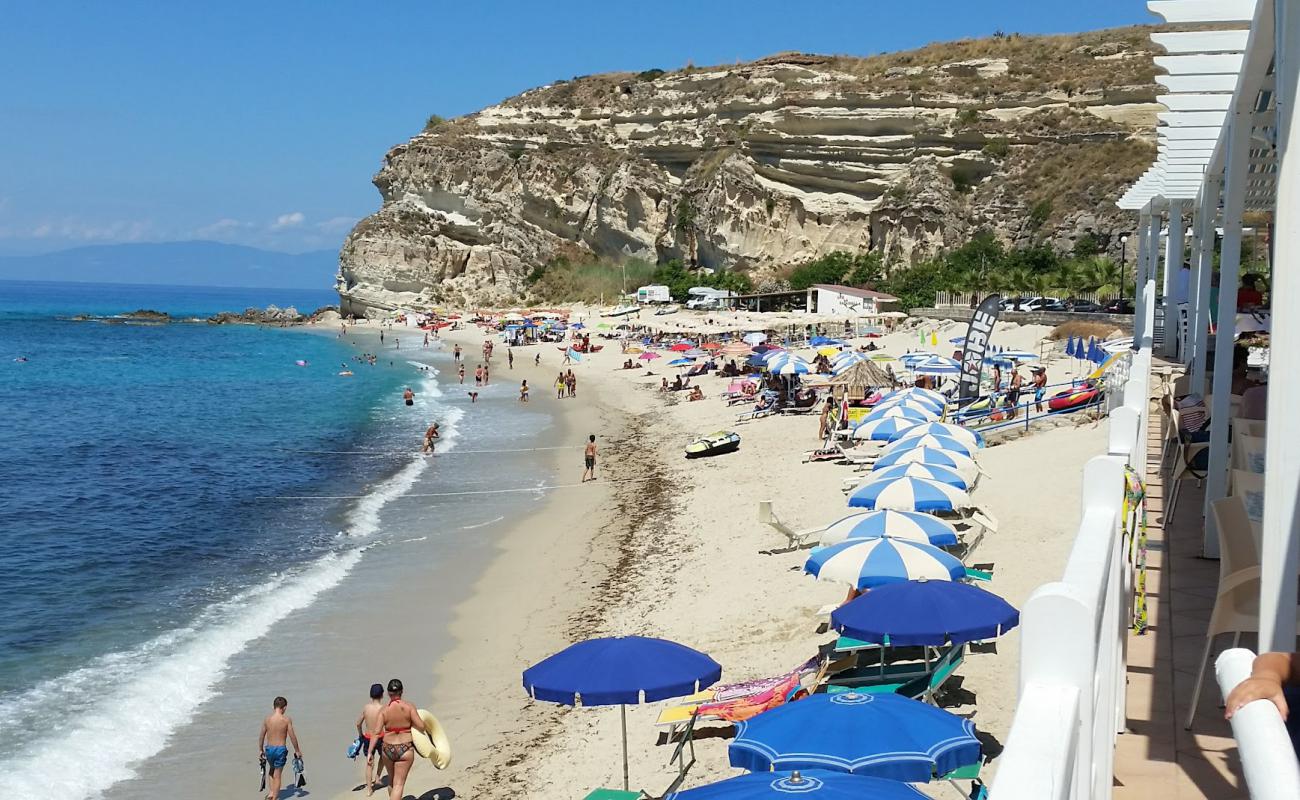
<point>1074,633</point>
<point>1268,759</point>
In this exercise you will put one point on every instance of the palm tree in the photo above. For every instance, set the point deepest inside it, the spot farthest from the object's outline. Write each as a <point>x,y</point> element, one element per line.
<point>1104,276</point>
<point>1070,279</point>
<point>1018,280</point>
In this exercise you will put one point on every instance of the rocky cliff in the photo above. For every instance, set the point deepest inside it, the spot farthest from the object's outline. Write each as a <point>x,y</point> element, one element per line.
<point>759,166</point>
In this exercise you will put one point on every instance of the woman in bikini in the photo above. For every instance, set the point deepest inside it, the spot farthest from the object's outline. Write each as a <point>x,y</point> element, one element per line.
<point>396,750</point>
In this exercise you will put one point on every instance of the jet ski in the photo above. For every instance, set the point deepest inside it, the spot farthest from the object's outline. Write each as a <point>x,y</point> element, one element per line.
<point>715,444</point>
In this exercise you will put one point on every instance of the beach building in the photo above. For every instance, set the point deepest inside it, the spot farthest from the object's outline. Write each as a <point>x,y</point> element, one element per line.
<point>1110,702</point>
<point>825,298</point>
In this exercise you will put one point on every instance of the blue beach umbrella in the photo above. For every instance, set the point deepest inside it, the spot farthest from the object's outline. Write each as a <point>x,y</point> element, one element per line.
<point>818,341</point>
<point>917,412</point>
<point>1070,349</point>
<point>929,472</point>
<point>842,365</point>
<point>928,455</point>
<point>880,735</point>
<point>910,359</point>
<point>908,494</point>
<point>931,613</point>
<point>876,561</point>
<point>930,409</point>
<point>912,392</point>
<point>578,325</point>
<point>618,671</point>
<point>789,366</point>
<point>930,440</point>
<point>814,783</point>
<point>681,362</point>
<point>964,435</point>
<point>898,524</point>
<point>882,430</point>
<point>937,365</point>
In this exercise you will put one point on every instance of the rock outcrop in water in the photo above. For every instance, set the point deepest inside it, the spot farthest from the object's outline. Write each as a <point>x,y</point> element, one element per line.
<point>760,166</point>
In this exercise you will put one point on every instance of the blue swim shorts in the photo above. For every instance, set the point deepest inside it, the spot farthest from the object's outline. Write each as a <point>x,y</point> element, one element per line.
<point>276,756</point>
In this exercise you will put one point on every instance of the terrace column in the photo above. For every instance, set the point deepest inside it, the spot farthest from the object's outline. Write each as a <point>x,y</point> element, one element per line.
<point>1148,287</point>
<point>1188,342</point>
<point>1281,526</point>
<point>1234,198</point>
<point>1173,265</point>
<point>1211,190</point>
<point>1140,309</point>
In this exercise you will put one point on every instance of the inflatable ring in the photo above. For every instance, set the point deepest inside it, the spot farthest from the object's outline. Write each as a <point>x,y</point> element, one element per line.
<point>1070,399</point>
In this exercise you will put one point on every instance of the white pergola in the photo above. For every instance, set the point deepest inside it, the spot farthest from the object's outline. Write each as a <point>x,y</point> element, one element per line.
<point>1229,95</point>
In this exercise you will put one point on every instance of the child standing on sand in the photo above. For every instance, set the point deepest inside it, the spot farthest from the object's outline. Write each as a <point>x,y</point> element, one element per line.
<point>277,728</point>
<point>366,724</point>
<point>523,392</point>
<point>589,459</point>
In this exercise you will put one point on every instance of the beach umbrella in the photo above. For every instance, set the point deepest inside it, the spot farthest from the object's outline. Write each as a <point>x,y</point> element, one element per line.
<point>930,472</point>
<point>755,361</point>
<point>695,353</point>
<point>619,671</point>
<point>820,340</point>
<point>915,413</point>
<point>946,429</point>
<point>763,349</point>
<point>931,613</point>
<point>925,406</point>
<point>754,338</point>
<point>827,351</point>
<point>733,349</point>
<point>881,430</point>
<point>681,347</point>
<point>916,390</point>
<point>1018,355</point>
<point>647,355</point>
<point>911,525</point>
<point>960,341</point>
<point>937,365</point>
<point>879,735</point>
<point>814,783</point>
<point>681,362</point>
<point>876,561</point>
<point>578,325</point>
<point>908,494</point>
<point>929,440</point>
<point>841,365</point>
<point>860,375</point>
<point>793,366</point>
<point>714,346</point>
<point>929,455</point>
<point>909,359</point>
<point>602,325</point>
<point>1069,347</point>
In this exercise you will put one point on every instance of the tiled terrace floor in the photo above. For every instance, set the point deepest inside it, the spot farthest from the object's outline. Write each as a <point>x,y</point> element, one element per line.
<point>1156,757</point>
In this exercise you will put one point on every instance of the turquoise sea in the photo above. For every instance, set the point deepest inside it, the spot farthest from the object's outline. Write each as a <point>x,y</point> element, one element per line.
<point>171,491</point>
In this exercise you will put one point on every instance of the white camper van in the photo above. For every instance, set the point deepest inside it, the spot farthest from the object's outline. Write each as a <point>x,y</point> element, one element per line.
<point>653,294</point>
<point>704,298</point>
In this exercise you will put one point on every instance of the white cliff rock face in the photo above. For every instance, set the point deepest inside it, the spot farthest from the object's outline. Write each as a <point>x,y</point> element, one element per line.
<point>754,167</point>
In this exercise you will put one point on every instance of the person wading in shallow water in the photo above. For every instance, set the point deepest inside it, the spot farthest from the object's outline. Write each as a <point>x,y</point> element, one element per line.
<point>397,750</point>
<point>589,458</point>
<point>430,438</point>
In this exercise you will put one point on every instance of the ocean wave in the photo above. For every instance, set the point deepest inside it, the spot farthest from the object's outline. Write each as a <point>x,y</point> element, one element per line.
<point>363,518</point>
<point>108,710</point>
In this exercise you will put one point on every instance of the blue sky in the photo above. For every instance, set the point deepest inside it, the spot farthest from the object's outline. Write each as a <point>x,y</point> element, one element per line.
<point>262,122</point>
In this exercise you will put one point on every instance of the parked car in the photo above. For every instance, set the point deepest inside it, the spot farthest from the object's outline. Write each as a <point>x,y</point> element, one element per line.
<point>1121,306</point>
<point>1042,304</point>
<point>1010,303</point>
<point>1084,306</point>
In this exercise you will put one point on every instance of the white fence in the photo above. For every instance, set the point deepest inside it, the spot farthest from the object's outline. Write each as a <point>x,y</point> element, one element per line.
<point>1074,633</point>
<point>1267,758</point>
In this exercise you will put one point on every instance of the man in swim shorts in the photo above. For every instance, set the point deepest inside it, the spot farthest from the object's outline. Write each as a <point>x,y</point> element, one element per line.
<point>430,437</point>
<point>367,724</point>
<point>589,458</point>
<point>277,728</point>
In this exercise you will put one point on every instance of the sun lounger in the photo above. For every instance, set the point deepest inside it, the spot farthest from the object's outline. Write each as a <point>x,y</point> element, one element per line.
<point>794,539</point>
<point>736,700</point>
<point>896,670</point>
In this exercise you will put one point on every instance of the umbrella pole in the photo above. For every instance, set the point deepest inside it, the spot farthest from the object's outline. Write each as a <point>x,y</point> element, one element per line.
<point>623,713</point>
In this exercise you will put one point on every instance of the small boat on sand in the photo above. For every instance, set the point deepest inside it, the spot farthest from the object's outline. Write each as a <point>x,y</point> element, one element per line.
<point>715,444</point>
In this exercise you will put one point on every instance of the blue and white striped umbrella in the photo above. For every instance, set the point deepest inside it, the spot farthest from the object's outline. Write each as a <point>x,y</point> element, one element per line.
<point>937,366</point>
<point>867,563</point>
<point>775,353</point>
<point>914,412</point>
<point>789,366</point>
<point>1018,355</point>
<point>695,353</point>
<point>916,391</point>
<point>882,430</point>
<point>910,359</point>
<point>924,405</point>
<point>908,494</point>
<point>929,455</point>
<point>930,440</point>
<point>911,525</point>
<point>929,472</point>
<point>840,369</point>
<point>964,435</point>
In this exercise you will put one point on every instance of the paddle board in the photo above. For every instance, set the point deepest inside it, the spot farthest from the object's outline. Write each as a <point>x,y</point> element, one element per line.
<point>434,745</point>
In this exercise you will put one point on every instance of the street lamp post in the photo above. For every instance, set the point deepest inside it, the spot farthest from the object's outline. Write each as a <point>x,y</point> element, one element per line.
<point>1123,266</point>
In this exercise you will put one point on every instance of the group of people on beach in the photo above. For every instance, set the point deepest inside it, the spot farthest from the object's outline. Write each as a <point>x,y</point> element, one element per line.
<point>383,730</point>
<point>566,385</point>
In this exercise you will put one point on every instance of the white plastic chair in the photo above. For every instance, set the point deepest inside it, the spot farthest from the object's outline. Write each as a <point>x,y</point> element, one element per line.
<point>1184,452</point>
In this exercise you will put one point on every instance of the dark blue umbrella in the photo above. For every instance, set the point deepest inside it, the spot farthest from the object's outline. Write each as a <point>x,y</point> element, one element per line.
<point>881,735</point>
<point>925,613</point>
<point>813,783</point>
<point>621,670</point>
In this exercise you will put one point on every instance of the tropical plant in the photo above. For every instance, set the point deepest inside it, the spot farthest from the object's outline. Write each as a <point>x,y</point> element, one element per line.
<point>1103,276</point>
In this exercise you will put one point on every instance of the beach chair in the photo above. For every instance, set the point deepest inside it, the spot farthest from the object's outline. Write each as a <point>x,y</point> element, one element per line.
<point>683,758</point>
<point>915,672</point>
<point>794,539</point>
<point>1184,453</point>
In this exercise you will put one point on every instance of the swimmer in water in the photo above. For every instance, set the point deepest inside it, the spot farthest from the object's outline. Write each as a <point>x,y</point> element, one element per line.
<point>430,437</point>
<point>409,396</point>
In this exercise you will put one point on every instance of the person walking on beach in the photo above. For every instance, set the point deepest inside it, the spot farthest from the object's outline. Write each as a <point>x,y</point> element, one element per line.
<point>277,729</point>
<point>560,386</point>
<point>537,359</point>
<point>366,725</point>
<point>430,438</point>
<point>1040,386</point>
<point>426,339</point>
<point>572,381</point>
<point>510,357</point>
<point>523,391</point>
<point>567,359</point>
<point>397,750</point>
<point>486,374</point>
<point>478,375</point>
<point>455,353</point>
<point>589,459</point>
<point>1013,392</point>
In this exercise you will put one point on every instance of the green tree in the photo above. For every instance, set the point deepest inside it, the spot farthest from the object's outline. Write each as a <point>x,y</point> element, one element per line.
<point>830,268</point>
<point>868,270</point>
<point>1070,278</point>
<point>1103,276</point>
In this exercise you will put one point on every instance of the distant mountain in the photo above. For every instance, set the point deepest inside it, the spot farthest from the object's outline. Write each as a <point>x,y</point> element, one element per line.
<point>194,263</point>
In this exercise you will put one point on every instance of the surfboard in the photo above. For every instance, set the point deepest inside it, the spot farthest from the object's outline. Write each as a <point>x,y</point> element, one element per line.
<point>434,745</point>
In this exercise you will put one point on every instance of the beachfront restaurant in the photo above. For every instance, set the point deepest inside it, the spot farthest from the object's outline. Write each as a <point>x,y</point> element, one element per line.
<point>1184,564</point>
